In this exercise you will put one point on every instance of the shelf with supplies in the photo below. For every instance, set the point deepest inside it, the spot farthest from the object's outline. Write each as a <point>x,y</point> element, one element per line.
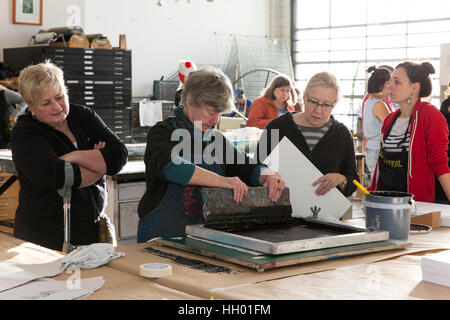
<point>97,78</point>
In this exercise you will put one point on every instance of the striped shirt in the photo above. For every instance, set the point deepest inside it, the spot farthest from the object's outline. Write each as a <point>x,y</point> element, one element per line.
<point>314,134</point>
<point>397,134</point>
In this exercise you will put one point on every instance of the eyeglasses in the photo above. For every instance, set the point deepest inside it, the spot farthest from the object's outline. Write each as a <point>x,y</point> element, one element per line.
<point>325,106</point>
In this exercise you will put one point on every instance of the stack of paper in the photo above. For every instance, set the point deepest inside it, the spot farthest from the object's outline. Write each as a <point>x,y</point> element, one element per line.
<point>31,282</point>
<point>436,268</point>
<point>427,207</point>
<point>49,289</point>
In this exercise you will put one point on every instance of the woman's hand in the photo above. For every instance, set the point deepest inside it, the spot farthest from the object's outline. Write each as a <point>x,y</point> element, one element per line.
<point>74,156</point>
<point>99,145</point>
<point>328,182</point>
<point>12,118</point>
<point>274,182</point>
<point>239,188</point>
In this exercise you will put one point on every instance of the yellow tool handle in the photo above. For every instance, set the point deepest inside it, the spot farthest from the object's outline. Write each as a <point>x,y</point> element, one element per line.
<point>360,187</point>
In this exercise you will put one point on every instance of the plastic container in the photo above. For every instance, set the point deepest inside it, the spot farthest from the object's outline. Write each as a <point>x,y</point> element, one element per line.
<point>390,211</point>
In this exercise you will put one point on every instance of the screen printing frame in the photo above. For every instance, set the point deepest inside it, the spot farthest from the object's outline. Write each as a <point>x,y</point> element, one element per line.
<point>349,235</point>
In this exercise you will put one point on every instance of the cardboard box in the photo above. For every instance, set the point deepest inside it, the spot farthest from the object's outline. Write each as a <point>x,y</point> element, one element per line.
<point>432,219</point>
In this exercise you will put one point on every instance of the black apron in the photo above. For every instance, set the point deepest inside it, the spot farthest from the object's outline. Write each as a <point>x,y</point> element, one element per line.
<point>393,166</point>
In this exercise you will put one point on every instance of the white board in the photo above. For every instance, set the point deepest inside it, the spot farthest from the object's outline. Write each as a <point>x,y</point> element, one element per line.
<point>299,174</point>
<point>444,72</point>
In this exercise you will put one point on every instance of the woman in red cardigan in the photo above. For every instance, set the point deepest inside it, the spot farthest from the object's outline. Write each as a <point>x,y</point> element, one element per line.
<point>415,138</point>
<point>276,99</point>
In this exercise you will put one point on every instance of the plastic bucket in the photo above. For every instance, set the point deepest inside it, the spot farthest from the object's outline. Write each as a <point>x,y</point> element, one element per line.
<point>390,211</point>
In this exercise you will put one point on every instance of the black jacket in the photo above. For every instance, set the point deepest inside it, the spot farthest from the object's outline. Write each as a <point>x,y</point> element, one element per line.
<point>35,151</point>
<point>335,152</point>
<point>440,194</point>
<point>158,155</point>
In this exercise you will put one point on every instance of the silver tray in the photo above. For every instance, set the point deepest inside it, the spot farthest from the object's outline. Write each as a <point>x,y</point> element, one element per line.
<point>307,234</point>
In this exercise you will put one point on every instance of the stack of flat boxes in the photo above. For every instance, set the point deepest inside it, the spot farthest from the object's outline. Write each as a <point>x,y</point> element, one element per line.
<point>97,78</point>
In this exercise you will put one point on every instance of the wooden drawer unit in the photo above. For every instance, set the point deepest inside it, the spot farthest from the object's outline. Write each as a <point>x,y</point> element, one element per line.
<point>131,191</point>
<point>8,208</point>
<point>9,200</point>
<point>128,219</point>
<point>123,201</point>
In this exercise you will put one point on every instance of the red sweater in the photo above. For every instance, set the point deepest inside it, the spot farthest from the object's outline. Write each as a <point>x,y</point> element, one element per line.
<point>262,112</point>
<point>428,144</point>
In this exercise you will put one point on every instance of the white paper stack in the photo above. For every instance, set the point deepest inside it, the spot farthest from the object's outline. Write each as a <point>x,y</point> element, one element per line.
<point>31,281</point>
<point>49,289</point>
<point>436,268</point>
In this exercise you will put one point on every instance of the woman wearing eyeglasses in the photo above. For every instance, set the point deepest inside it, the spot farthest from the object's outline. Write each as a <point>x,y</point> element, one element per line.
<point>326,142</point>
<point>277,99</point>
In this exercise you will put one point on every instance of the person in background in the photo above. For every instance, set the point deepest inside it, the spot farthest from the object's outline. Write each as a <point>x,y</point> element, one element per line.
<point>445,110</point>
<point>326,142</point>
<point>172,199</point>
<point>445,105</point>
<point>414,138</point>
<point>11,104</point>
<point>375,110</point>
<point>184,67</point>
<point>241,103</point>
<point>277,99</point>
<point>391,106</point>
<point>298,106</point>
<point>50,136</point>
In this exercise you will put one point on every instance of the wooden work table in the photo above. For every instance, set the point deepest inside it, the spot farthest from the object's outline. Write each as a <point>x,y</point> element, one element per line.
<point>118,284</point>
<point>392,274</point>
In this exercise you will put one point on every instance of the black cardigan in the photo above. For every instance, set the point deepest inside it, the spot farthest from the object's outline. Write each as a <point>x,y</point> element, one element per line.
<point>35,151</point>
<point>335,152</point>
<point>158,154</point>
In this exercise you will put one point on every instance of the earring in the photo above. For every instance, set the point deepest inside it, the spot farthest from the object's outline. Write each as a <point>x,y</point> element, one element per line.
<point>409,99</point>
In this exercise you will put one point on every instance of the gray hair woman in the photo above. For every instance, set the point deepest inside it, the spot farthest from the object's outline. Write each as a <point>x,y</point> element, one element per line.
<point>278,98</point>
<point>326,142</point>
<point>49,135</point>
<point>173,199</point>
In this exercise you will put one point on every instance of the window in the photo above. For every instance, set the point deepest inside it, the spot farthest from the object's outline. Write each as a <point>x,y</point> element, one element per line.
<point>345,37</point>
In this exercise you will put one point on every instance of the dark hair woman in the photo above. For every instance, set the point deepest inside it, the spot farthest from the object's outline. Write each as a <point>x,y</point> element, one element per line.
<point>414,138</point>
<point>278,98</point>
<point>374,111</point>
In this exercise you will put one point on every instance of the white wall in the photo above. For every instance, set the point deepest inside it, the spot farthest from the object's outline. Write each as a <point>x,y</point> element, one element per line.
<point>160,36</point>
<point>55,14</point>
<point>280,19</point>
